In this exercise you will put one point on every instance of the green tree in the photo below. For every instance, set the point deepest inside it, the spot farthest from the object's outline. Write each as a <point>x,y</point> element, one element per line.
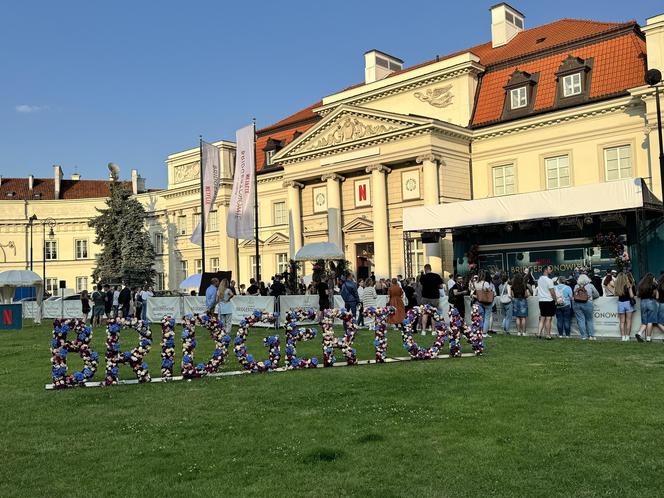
<point>126,253</point>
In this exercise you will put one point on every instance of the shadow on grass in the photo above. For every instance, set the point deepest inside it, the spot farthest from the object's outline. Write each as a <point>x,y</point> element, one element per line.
<point>323,455</point>
<point>371,437</point>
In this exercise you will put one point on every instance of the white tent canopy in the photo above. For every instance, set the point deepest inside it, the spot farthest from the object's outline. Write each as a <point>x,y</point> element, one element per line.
<point>11,279</point>
<point>319,250</point>
<point>558,203</point>
<point>191,282</point>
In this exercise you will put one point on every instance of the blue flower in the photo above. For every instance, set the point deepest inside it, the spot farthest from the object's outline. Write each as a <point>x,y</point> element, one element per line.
<point>267,363</point>
<point>55,343</point>
<point>166,363</point>
<point>114,371</point>
<point>250,358</point>
<point>314,361</point>
<point>64,329</point>
<point>94,356</point>
<point>82,336</point>
<point>186,359</point>
<point>216,353</point>
<point>200,366</point>
<point>126,355</point>
<point>290,350</point>
<point>116,346</point>
<point>78,377</point>
<point>170,342</point>
<point>87,373</point>
<point>238,340</point>
<point>171,322</point>
<point>227,339</point>
<point>185,334</point>
<point>63,352</point>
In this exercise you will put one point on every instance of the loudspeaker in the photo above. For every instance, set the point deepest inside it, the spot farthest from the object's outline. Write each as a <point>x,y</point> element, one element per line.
<point>430,237</point>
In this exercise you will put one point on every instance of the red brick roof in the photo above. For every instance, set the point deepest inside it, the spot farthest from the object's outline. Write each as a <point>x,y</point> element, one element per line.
<point>69,189</point>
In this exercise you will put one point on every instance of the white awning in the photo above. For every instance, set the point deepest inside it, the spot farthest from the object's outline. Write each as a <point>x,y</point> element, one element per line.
<point>319,250</point>
<point>559,203</point>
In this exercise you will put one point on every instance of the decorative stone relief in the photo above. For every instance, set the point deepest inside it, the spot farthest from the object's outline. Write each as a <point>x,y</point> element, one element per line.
<point>347,129</point>
<point>437,97</point>
<point>186,172</point>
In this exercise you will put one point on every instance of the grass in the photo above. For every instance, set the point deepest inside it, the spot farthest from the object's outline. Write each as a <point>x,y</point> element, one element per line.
<point>530,418</point>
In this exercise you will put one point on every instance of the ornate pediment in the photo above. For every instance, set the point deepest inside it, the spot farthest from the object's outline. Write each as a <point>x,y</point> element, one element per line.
<point>360,224</point>
<point>276,239</point>
<point>345,126</point>
<point>249,243</point>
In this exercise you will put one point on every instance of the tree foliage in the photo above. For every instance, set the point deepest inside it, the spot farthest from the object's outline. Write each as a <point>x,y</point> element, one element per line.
<point>126,253</point>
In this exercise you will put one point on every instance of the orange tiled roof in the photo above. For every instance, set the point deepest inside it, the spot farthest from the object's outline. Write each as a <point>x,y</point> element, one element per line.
<point>69,189</point>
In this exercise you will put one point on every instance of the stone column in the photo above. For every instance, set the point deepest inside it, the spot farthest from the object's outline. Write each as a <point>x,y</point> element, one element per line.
<point>431,196</point>
<point>228,253</point>
<point>381,233</point>
<point>295,214</point>
<point>333,182</point>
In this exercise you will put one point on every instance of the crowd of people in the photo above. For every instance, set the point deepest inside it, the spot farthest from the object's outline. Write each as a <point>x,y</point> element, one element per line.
<point>108,302</point>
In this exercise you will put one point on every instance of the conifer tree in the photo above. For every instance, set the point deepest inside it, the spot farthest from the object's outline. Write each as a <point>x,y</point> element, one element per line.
<point>127,254</point>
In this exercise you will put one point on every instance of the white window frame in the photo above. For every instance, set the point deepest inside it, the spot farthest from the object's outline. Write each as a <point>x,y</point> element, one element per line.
<point>497,192</point>
<point>81,280</point>
<point>184,268</point>
<point>279,218</point>
<point>182,224</point>
<point>52,286</point>
<point>417,256</point>
<point>214,264</point>
<point>159,243</point>
<point>282,262</point>
<point>269,154</point>
<point>212,224</point>
<point>195,221</point>
<point>252,266</point>
<point>619,149</point>
<point>554,163</point>
<point>82,251</point>
<point>160,281</point>
<point>518,97</point>
<point>198,265</point>
<point>50,250</point>
<point>572,85</point>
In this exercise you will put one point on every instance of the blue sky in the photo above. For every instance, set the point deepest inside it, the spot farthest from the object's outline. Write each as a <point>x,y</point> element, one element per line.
<point>85,82</point>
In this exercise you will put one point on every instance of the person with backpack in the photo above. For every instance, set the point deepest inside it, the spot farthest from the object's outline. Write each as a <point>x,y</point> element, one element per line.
<point>485,292</point>
<point>584,293</point>
<point>350,295</point>
<point>520,293</point>
<point>506,303</point>
<point>563,307</point>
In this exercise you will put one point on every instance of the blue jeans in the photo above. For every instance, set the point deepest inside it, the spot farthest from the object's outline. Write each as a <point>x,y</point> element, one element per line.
<point>584,317</point>
<point>564,320</point>
<point>144,310</point>
<point>352,307</point>
<point>507,318</point>
<point>485,311</point>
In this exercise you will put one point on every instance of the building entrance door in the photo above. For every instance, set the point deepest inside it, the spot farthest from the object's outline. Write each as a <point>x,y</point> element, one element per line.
<point>365,254</point>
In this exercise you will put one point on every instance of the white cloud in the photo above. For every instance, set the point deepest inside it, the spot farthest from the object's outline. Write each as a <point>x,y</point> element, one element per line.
<point>26,109</point>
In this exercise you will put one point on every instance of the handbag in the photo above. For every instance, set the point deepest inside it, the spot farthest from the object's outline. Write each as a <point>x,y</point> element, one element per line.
<point>485,296</point>
<point>504,296</point>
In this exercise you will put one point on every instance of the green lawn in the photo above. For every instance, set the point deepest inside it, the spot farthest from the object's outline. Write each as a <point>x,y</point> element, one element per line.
<point>530,418</point>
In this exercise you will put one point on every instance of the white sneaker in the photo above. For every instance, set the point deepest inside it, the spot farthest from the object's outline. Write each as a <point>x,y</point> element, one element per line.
<point>584,338</point>
<point>626,338</point>
<point>648,339</point>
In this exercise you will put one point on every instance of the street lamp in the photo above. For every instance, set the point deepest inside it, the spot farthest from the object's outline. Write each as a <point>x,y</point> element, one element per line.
<point>653,78</point>
<point>31,220</point>
<point>50,222</point>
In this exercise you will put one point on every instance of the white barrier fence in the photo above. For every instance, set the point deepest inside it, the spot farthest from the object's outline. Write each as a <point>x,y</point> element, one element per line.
<point>604,310</point>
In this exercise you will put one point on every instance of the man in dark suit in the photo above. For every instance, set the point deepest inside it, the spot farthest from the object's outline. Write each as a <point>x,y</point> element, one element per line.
<point>124,300</point>
<point>108,300</point>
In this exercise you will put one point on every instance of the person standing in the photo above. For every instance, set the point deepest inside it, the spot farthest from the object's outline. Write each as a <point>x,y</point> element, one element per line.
<point>98,300</point>
<point>253,289</point>
<point>232,287</point>
<point>608,285</point>
<point>360,293</point>
<point>520,293</point>
<point>349,294</point>
<point>458,293</point>
<point>146,294</point>
<point>124,297</point>
<point>563,307</point>
<point>85,305</point>
<point>409,291</point>
<point>660,303</point>
<point>115,301</point>
<point>431,283</point>
<point>224,307</point>
<point>647,291</point>
<point>211,295</point>
<point>584,293</point>
<point>485,293</point>
<point>625,293</point>
<point>506,303</point>
<point>108,301</point>
<point>396,299</point>
<point>546,297</point>
<point>323,298</point>
<point>597,281</point>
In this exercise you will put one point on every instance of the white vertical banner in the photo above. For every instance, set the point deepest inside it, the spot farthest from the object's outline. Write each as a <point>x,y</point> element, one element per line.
<point>291,236</point>
<point>211,170</point>
<point>241,213</point>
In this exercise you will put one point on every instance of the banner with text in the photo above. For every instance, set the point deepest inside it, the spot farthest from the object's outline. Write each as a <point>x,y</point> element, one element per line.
<point>211,169</point>
<point>240,223</point>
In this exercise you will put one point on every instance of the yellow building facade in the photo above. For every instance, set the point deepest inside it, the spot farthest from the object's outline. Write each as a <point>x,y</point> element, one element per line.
<point>488,121</point>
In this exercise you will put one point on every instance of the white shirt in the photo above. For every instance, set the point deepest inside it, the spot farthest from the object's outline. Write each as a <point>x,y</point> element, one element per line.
<point>116,297</point>
<point>145,295</point>
<point>360,292</point>
<point>544,286</point>
<point>450,283</point>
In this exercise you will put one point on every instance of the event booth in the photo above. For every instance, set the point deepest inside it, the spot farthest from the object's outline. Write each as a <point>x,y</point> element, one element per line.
<point>561,227</point>
<point>12,279</point>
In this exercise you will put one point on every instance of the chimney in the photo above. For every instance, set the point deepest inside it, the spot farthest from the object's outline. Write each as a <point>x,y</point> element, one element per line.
<point>31,183</point>
<point>0,180</point>
<point>506,23</point>
<point>137,183</point>
<point>654,31</point>
<point>57,180</point>
<point>379,65</point>
<point>75,177</point>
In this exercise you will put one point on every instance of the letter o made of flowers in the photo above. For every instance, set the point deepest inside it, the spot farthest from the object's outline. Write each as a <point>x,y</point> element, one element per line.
<point>414,350</point>
<point>60,347</point>
<point>134,358</point>
<point>295,334</point>
<point>379,327</point>
<point>167,347</point>
<point>331,342</point>
<point>271,342</point>
<point>189,343</point>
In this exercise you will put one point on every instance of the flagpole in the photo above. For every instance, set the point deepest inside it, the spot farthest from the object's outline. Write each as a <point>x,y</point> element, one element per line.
<point>200,151</point>
<point>258,256</point>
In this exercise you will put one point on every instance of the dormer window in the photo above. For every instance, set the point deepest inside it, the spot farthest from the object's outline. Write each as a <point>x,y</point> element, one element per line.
<point>269,154</point>
<point>573,81</point>
<point>572,84</point>
<point>518,97</point>
<point>520,93</point>
<point>271,148</point>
